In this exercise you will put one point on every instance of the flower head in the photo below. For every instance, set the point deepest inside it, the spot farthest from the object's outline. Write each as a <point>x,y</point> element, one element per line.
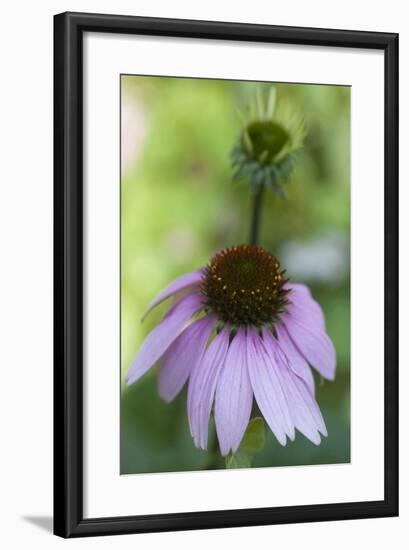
<point>270,140</point>
<point>237,330</point>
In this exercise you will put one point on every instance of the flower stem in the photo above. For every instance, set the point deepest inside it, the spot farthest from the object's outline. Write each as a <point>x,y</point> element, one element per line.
<point>214,458</point>
<point>256,215</point>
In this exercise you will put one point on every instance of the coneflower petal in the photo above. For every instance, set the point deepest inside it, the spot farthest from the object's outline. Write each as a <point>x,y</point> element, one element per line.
<point>303,408</point>
<point>178,361</point>
<point>267,387</point>
<point>314,344</point>
<point>234,396</point>
<point>202,385</point>
<point>303,307</point>
<point>296,361</point>
<point>162,336</point>
<point>189,280</point>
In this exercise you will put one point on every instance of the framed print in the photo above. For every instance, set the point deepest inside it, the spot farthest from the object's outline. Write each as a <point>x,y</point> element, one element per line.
<point>226,282</point>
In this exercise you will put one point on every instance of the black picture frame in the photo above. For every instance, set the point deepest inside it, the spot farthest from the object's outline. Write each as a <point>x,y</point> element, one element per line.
<point>68,274</point>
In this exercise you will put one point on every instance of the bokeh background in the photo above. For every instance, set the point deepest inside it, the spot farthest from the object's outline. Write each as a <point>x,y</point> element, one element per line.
<point>179,205</point>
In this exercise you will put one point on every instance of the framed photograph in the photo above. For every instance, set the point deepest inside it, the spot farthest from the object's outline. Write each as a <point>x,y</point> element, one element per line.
<point>226,274</point>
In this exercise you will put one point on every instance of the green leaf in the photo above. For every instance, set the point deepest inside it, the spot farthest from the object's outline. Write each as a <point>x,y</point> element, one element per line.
<point>252,442</point>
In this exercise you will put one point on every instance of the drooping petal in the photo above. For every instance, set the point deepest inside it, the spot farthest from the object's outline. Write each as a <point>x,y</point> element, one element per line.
<point>296,361</point>
<point>303,307</point>
<point>267,387</point>
<point>178,360</point>
<point>311,404</point>
<point>202,385</point>
<point>189,280</point>
<point>234,396</point>
<point>303,408</point>
<point>161,337</point>
<point>314,344</point>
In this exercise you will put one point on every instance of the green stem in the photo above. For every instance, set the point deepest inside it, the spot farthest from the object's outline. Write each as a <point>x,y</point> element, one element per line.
<point>213,462</point>
<point>256,214</point>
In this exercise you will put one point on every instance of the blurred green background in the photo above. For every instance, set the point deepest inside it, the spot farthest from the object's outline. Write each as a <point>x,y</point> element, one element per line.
<point>179,205</point>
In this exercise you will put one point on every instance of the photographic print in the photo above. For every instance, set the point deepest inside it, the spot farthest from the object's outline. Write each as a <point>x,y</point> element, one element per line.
<point>235,274</point>
<point>214,317</point>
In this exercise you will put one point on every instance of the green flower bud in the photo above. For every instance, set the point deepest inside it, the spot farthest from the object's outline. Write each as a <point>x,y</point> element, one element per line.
<point>269,143</point>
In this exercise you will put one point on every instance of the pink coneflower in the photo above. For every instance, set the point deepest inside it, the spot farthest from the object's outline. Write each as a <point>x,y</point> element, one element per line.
<point>239,329</point>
